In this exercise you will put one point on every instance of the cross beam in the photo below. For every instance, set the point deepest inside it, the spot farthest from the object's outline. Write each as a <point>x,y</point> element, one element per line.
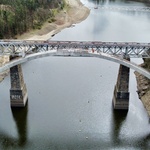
<point>22,48</point>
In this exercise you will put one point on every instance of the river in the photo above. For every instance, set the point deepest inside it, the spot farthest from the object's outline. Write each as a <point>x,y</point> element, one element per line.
<point>70,99</point>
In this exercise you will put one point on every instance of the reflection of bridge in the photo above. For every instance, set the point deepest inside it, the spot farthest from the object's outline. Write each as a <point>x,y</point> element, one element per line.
<point>124,8</point>
<point>116,52</point>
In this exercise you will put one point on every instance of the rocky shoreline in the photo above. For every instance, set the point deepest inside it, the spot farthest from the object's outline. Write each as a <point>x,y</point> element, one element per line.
<point>143,90</point>
<point>3,60</point>
<point>73,14</point>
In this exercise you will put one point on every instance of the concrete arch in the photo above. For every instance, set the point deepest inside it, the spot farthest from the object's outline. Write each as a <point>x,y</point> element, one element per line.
<point>76,54</point>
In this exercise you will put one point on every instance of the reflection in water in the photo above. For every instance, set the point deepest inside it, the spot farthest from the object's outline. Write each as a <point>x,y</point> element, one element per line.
<point>118,118</point>
<point>83,89</point>
<point>7,141</point>
<point>105,2</point>
<point>20,117</point>
<point>119,139</point>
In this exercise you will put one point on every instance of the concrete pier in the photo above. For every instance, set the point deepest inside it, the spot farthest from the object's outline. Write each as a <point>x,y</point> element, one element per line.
<point>121,93</point>
<point>18,91</point>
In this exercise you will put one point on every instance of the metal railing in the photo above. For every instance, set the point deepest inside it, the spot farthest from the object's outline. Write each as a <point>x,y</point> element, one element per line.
<point>123,49</point>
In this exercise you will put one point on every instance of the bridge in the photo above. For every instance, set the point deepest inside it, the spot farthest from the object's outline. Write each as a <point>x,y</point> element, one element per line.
<point>22,48</point>
<point>123,8</point>
<point>119,52</point>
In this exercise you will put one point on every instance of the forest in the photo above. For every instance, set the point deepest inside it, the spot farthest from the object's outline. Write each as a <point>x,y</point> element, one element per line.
<point>19,16</point>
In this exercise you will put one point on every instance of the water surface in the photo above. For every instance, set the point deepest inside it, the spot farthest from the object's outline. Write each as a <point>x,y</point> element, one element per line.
<point>70,99</point>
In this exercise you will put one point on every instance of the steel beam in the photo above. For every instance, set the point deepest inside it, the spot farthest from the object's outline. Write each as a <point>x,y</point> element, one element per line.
<point>23,48</point>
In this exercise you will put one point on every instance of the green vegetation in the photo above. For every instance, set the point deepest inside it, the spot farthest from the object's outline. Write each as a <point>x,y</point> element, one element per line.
<point>18,16</point>
<point>146,64</point>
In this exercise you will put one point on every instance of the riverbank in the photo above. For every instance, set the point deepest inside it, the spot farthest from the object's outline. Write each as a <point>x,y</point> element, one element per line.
<point>74,13</point>
<point>143,90</point>
<point>3,60</point>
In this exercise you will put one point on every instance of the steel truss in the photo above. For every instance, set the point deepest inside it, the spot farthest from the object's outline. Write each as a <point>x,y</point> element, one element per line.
<point>22,48</point>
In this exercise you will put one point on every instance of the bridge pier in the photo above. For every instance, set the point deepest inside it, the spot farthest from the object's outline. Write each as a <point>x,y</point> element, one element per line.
<point>18,91</point>
<point>121,93</point>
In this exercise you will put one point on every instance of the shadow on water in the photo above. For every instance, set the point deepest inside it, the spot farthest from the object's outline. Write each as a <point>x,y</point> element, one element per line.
<point>20,117</point>
<point>102,2</point>
<point>117,122</point>
<point>118,118</point>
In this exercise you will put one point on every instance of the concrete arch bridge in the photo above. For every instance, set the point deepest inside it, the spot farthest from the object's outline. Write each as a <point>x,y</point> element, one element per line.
<point>119,52</point>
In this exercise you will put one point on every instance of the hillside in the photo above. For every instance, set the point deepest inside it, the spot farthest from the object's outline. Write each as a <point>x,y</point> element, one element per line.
<point>18,16</point>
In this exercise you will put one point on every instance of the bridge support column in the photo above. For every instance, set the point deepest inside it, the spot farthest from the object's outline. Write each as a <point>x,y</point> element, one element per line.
<point>18,91</point>
<point>121,94</point>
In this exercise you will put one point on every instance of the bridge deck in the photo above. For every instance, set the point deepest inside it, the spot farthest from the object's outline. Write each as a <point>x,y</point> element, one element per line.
<point>21,48</point>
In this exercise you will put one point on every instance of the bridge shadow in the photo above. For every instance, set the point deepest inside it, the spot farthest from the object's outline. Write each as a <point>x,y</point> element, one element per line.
<point>9,142</point>
<point>118,118</point>
<point>20,117</point>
